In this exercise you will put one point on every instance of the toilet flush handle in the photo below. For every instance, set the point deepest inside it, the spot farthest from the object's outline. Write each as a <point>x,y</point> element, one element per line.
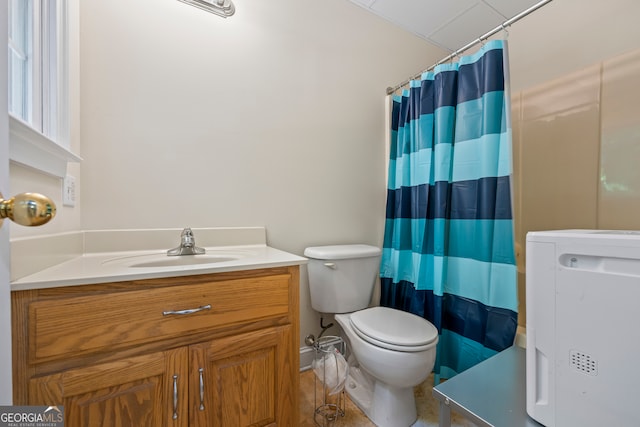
<point>331,265</point>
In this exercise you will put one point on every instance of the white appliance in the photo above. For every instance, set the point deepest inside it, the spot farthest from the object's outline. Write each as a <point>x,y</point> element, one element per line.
<point>583,328</point>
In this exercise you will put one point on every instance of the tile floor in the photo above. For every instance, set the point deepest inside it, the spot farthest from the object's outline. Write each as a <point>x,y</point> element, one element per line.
<point>427,407</point>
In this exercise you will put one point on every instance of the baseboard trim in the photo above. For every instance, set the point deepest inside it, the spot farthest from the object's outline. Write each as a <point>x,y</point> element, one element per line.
<point>306,358</point>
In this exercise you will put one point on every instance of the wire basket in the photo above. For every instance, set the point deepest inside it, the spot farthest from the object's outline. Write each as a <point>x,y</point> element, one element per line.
<point>331,370</point>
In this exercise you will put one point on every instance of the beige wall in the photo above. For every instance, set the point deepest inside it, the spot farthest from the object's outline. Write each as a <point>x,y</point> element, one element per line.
<point>569,35</point>
<point>273,117</point>
<point>576,151</point>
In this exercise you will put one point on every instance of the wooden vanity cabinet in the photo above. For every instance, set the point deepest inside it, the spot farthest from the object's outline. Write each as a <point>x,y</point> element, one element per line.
<point>207,350</point>
<point>134,391</point>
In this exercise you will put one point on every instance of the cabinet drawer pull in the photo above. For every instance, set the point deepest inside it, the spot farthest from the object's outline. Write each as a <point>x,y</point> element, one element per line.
<point>201,389</point>
<point>187,311</point>
<point>175,397</point>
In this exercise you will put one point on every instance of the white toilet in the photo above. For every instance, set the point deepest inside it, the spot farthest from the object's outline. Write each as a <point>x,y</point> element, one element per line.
<point>394,350</point>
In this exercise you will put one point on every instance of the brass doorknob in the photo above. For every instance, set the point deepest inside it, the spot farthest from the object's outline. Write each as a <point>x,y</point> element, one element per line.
<point>30,209</point>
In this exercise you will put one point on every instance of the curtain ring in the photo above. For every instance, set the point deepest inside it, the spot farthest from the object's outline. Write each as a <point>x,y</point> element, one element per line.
<point>504,29</point>
<point>454,57</point>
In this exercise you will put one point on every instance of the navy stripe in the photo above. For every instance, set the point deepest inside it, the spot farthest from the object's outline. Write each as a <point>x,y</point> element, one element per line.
<point>484,75</point>
<point>450,88</point>
<point>485,198</point>
<point>492,327</point>
<point>408,202</point>
<point>395,115</point>
<point>404,296</point>
<point>404,112</point>
<point>393,149</point>
<point>445,86</point>
<point>414,110</point>
<point>442,91</point>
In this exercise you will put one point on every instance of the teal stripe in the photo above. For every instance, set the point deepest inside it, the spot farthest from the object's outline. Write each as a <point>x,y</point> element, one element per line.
<point>481,116</point>
<point>400,265</point>
<point>392,175</point>
<point>458,353</point>
<point>487,156</point>
<point>431,273</point>
<point>404,234</point>
<point>423,271</point>
<point>410,170</point>
<point>492,284</point>
<point>445,123</point>
<point>442,163</point>
<point>421,167</point>
<point>483,240</point>
<point>447,66</point>
<point>484,155</point>
<point>429,75</point>
<point>425,126</point>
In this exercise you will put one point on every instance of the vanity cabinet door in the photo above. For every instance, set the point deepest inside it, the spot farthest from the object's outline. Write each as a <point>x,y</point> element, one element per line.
<point>244,380</point>
<point>138,391</point>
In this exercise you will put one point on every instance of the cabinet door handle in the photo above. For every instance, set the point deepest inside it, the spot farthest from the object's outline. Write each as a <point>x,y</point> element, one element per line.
<point>187,311</point>
<point>201,389</point>
<point>175,397</point>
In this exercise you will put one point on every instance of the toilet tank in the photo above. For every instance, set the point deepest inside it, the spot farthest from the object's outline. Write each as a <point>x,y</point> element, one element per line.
<point>342,277</point>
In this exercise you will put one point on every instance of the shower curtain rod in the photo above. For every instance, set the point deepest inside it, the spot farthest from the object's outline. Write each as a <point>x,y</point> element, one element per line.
<point>480,39</point>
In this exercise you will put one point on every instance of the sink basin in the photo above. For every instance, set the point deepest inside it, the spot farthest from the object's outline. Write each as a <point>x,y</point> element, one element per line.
<point>177,261</point>
<point>159,260</point>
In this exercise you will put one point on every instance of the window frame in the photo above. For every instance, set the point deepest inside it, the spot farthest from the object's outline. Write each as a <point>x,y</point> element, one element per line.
<point>44,142</point>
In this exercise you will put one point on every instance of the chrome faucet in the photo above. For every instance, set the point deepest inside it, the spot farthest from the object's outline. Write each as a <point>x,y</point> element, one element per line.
<point>187,245</point>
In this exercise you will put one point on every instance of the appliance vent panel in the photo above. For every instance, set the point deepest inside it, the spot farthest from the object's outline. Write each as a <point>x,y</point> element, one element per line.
<point>583,362</point>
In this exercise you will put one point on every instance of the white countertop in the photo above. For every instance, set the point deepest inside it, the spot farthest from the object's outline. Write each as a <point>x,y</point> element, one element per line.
<point>104,267</point>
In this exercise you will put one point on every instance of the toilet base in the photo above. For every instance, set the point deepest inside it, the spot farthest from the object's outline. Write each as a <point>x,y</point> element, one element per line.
<point>385,406</point>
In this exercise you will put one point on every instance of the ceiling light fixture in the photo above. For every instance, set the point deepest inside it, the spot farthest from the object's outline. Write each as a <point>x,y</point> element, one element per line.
<point>222,8</point>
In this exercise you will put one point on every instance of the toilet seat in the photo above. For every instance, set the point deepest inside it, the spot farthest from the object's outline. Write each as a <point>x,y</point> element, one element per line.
<point>394,329</point>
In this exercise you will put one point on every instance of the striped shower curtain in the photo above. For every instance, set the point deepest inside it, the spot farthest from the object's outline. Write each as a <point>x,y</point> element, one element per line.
<point>448,252</point>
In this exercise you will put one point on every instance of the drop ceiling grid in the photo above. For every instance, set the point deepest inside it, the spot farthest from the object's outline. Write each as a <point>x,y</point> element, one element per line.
<point>449,24</point>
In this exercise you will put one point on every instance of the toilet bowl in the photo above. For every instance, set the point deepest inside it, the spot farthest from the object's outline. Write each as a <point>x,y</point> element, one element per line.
<point>388,365</point>
<point>392,350</point>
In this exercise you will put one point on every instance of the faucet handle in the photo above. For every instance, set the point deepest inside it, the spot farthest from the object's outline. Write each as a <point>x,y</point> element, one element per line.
<point>187,237</point>
<point>187,245</point>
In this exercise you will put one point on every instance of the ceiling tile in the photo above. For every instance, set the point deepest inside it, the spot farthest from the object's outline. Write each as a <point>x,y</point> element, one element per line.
<point>510,8</point>
<point>421,16</point>
<point>467,27</point>
<point>365,3</point>
<point>449,24</point>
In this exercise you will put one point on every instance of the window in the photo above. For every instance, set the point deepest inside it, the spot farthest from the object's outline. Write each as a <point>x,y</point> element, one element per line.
<point>38,84</point>
<point>20,58</point>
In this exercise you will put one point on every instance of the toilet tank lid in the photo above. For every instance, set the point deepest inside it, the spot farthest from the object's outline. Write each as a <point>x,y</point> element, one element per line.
<point>341,251</point>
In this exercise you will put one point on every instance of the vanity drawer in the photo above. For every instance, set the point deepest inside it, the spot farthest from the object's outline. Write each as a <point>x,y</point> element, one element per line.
<point>93,323</point>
